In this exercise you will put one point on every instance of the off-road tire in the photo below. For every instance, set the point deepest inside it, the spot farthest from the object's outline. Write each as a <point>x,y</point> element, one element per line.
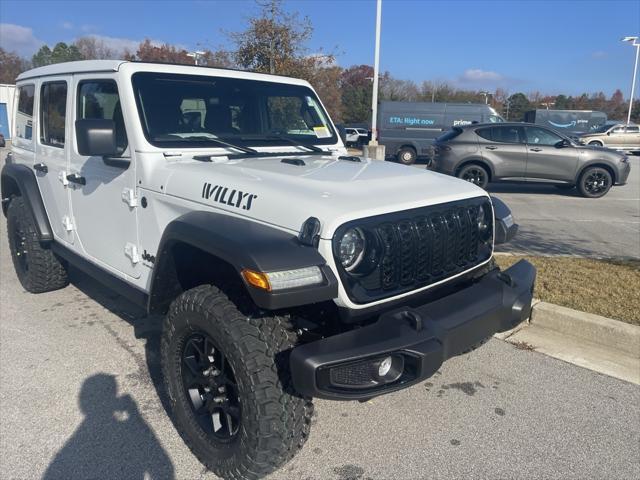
<point>586,178</point>
<point>275,421</point>
<point>37,267</point>
<point>407,156</point>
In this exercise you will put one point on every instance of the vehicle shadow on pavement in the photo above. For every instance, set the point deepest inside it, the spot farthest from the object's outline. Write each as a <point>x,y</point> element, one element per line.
<point>145,327</point>
<point>113,440</point>
<point>532,189</point>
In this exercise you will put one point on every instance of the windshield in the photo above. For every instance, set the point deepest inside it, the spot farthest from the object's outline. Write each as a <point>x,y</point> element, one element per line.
<point>201,111</point>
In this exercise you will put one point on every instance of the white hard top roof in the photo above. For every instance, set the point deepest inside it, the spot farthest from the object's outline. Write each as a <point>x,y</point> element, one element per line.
<point>91,66</point>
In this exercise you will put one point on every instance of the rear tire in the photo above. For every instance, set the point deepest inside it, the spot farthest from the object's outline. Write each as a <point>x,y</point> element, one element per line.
<point>407,156</point>
<point>476,174</point>
<point>272,421</point>
<point>595,182</point>
<point>37,267</point>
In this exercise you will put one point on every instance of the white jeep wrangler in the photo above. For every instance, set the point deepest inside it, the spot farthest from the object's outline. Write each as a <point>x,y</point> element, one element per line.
<point>285,270</point>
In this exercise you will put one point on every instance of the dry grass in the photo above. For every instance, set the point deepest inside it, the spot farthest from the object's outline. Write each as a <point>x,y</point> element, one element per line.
<point>610,288</point>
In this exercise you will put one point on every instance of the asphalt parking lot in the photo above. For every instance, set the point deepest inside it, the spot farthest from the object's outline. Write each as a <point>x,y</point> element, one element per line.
<point>80,397</point>
<point>564,223</point>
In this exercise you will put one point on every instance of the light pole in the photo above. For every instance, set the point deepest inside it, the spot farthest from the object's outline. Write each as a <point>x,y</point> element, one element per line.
<point>376,72</point>
<point>486,96</point>
<point>634,42</point>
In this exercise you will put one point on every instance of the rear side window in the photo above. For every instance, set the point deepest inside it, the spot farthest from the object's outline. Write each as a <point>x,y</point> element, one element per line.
<point>24,115</point>
<point>450,135</point>
<point>633,129</point>
<point>501,134</point>
<point>53,105</point>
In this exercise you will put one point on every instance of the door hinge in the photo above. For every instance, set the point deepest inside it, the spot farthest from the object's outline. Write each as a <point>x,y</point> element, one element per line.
<point>67,223</point>
<point>129,197</point>
<point>62,176</point>
<point>131,251</point>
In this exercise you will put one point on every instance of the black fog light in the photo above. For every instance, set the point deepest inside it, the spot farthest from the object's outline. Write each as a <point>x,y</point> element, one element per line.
<point>367,373</point>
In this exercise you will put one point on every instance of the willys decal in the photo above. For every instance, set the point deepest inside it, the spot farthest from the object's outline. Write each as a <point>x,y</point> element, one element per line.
<point>228,196</point>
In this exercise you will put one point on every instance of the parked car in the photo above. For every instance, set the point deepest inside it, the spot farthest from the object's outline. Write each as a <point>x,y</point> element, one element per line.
<point>569,122</point>
<point>618,137</point>
<point>3,142</point>
<point>285,270</point>
<point>523,152</point>
<point>408,129</point>
<point>356,137</point>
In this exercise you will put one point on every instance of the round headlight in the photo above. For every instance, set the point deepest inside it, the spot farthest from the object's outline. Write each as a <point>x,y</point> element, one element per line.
<point>351,248</point>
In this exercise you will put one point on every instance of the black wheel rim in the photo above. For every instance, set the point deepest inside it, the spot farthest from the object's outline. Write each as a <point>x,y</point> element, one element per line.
<point>211,388</point>
<point>475,176</point>
<point>596,182</point>
<point>20,246</point>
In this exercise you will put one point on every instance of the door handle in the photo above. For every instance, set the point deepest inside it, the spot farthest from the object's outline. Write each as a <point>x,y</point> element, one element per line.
<point>75,178</point>
<point>491,148</point>
<point>41,167</point>
<point>535,149</point>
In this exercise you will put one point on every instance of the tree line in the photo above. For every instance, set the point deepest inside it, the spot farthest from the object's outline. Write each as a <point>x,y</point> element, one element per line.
<point>274,41</point>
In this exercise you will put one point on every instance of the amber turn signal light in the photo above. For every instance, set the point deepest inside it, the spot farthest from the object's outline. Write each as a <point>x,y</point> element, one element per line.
<point>257,279</point>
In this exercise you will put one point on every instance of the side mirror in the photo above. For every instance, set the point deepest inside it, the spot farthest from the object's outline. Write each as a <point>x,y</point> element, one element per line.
<point>563,143</point>
<point>609,132</point>
<point>96,137</point>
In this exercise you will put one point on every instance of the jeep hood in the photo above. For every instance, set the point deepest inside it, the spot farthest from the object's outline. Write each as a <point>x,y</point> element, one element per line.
<point>285,191</point>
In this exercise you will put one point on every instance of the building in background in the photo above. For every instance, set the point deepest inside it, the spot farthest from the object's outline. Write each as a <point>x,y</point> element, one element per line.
<point>7,105</point>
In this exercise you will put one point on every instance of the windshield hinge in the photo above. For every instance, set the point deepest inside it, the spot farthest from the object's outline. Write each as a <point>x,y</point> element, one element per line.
<point>129,197</point>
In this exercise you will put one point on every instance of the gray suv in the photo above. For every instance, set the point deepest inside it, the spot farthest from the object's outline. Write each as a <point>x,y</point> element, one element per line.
<point>524,152</point>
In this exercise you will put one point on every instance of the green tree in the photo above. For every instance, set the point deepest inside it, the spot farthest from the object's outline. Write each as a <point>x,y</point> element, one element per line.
<point>517,104</point>
<point>356,92</point>
<point>61,53</point>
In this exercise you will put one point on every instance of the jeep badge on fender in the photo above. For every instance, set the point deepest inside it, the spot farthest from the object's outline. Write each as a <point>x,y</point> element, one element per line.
<point>322,292</point>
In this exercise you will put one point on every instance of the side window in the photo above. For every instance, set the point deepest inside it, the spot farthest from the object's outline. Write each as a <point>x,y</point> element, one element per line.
<point>632,129</point>
<point>507,134</point>
<point>53,104</point>
<point>485,133</point>
<point>540,136</point>
<point>24,113</point>
<point>618,130</point>
<point>99,99</point>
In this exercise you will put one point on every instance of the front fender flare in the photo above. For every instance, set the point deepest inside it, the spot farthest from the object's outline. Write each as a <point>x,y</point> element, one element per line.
<point>243,244</point>
<point>18,179</point>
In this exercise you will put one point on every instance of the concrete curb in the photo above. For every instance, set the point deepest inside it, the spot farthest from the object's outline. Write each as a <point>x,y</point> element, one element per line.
<point>590,341</point>
<point>603,331</point>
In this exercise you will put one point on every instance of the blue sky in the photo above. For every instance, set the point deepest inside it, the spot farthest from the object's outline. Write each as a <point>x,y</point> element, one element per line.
<point>550,46</point>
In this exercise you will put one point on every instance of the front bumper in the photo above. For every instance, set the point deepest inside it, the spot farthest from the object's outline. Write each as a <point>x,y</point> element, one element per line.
<point>423,337</point>
<point>623,173</point>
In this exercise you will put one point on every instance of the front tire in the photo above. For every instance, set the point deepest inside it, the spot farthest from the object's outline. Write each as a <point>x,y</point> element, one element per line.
<point>476,174</point>
<point>596,143</point>
<point>595,182</point>
<point>37,267</point>
<point>229,386</point>
<point>407,156</point>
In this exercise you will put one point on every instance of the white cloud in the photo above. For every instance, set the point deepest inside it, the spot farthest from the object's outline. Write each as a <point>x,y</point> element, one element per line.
<point>476,75</point>
<point>598,54</point>
<point>118,44</point>
<point>19,39</point>
<point>67,25</point>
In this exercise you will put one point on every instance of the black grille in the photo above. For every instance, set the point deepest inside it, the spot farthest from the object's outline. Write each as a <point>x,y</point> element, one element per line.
<point>416,248</point>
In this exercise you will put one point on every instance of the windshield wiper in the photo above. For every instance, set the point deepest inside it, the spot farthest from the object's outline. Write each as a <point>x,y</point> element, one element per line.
<point>222,143</point>
<point>290,141</point>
